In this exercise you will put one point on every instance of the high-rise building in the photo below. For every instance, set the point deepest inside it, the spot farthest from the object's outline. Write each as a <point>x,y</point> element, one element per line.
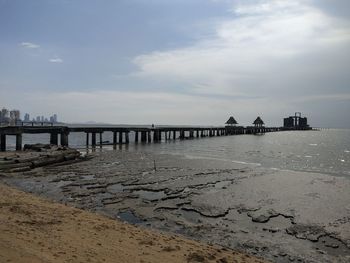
<point>26,117</point>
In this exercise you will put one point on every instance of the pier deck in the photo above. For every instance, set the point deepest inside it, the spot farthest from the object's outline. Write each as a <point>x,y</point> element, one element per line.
<point>121,134</point>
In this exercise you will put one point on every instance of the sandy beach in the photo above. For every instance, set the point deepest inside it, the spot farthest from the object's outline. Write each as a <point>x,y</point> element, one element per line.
<point>33,229</point>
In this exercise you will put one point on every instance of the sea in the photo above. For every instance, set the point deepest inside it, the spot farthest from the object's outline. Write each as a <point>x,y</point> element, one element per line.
<point>323,151</point>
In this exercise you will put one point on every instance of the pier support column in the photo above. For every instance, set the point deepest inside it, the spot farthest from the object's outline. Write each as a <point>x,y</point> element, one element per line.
<point>93,139</point>
<point>155,136</point>
<point>114,138</point>
<point>149,137</point>
<point>127,137</point>
<point>18,142</point>
<point>87,139</point>
<point>174,135</point>
<point>182,134</point>
<point>64,139</point>
<point>101,139</point>
<point>54,138</point>
<point>120,137</point>
<point>143,136</point>
<point>3,142</point>
<point>136,136</point>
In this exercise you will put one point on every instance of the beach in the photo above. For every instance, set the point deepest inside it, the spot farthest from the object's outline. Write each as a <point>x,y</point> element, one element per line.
<point>278,215</point>
<point>37,230</point>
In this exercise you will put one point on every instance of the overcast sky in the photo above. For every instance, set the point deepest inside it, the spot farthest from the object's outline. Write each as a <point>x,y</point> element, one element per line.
<point>177,61</point>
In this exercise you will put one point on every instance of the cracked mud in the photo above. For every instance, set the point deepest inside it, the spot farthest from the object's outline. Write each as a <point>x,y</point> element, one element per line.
<point>282,216</point>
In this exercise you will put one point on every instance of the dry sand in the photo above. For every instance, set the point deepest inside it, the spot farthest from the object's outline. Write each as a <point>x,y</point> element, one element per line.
<point>36,230</point>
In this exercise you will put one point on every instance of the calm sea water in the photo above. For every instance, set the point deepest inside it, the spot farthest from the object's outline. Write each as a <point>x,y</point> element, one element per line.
<point>325,151</point>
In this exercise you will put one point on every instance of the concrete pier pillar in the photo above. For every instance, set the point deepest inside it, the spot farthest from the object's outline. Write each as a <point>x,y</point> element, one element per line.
<point>87,139</point>
<point>93,139</point>
<point>174,135</point>
<point>18,142</point>
<point>156,136</point>
<point>114,138</point>
<point>3,142</point>
<point>143,136</point>
<point>191,134</point>
<point>64,139</point>
<point>182,134</point>
<point>166,135</point>
<point>54,138</point>
<point>136,136</point>
<point>127,137</point>
<point>101,139</point>
<point>149,137</point>
<point>120,137</point>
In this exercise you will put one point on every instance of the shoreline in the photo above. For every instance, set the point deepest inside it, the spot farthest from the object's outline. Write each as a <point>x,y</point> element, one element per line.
<point>282,216</point>
<point>37,230</point>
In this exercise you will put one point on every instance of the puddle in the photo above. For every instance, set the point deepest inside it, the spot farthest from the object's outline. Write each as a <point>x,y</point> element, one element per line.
<point>150,195</point>
<point>88,177</point>
<point>129,217</point>
<point>115,188</point>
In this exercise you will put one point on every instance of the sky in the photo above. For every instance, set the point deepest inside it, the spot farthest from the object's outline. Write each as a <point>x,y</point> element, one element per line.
<point>193,62</point>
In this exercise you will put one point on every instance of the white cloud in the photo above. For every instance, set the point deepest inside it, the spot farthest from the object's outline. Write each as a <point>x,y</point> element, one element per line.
<point>56,60</point>
<point>29,45</point>
<point>250,51</point>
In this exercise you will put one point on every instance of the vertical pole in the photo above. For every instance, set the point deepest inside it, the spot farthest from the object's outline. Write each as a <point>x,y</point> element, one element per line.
<point>93,139</point>
<point>3,142</point>
<point>18,142</point>
<point>174,135</point>
<point>136,136</point>
<point>101,139</point>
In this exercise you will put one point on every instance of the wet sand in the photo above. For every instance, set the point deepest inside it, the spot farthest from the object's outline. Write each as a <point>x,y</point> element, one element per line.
<point>282,216</point>
<point>35,230</point>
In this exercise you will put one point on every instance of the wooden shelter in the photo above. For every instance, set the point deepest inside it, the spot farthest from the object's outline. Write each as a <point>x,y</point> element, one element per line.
<point>231,121</point>
<point>258,122</point>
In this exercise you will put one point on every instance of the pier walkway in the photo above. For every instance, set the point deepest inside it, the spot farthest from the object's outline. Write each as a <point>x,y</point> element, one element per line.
<point>121,134</point>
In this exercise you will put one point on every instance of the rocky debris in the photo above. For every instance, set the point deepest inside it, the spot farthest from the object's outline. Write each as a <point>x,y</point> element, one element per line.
<point>37,155</point>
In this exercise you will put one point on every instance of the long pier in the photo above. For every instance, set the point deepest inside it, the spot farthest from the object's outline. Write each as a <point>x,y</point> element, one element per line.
<point>59,135</point>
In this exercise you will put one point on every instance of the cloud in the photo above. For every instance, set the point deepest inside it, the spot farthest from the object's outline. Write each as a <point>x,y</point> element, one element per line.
<point>29,45</point>
<point>56,60</point>
<point>266,49</point>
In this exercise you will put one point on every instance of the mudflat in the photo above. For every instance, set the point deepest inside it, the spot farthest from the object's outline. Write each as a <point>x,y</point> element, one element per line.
<point>33,229</point>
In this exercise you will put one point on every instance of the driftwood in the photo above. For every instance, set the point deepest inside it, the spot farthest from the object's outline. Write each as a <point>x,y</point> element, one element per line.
<point>38,155</point>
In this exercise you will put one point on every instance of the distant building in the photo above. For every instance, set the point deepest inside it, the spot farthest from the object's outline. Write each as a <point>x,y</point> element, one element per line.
<point>296,122</point>
<point>26,117</point>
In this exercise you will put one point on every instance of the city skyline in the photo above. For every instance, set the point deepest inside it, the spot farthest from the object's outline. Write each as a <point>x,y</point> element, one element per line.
<point>177,62</point>
<point>13,116</point>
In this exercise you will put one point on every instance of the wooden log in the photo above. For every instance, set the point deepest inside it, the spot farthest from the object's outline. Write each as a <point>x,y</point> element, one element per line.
<point>14,165</point>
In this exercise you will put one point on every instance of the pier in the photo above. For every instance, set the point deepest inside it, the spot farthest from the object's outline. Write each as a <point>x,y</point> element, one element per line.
<point>59,135</point>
